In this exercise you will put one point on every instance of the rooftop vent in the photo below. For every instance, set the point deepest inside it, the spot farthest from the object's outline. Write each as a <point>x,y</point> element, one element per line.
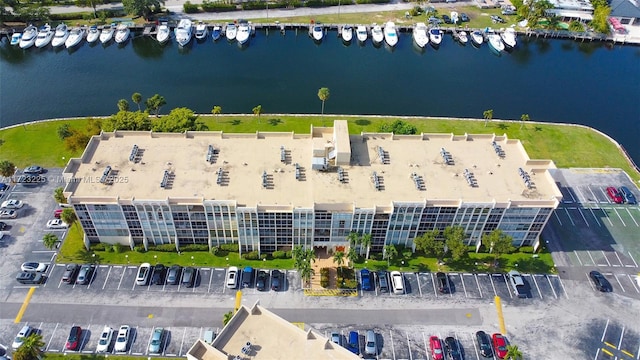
<point>383,155</point>
<point>165,179</point>
<point>211,154</point>
<point>220,174</point>
<point>297,172</point>
<point>418,182</point>
<point>526,178</point>
<point>341,175</point>
<point>498,149</point>
<point>376,181</point>
<point>134,153</point>
<point>283,154</point>
<point>265,179</point>
<point>105,175</point>
<point>446,156</point>
<point>471,180</point>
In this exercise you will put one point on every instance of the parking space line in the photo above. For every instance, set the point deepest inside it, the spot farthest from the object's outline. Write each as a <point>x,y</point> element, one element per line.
<point>605,195</point>
<point>435,291</point>
<point>84,338</point>
<point>557,217</point>
<point>604,332</point>
<point>569,216</point>
<point>210,279</point>
<point>493,286</point>
<point>51,338</point>
<point>182,342</point>
<point>537,287</point>
<point>196,278</point>
<point>419,287</point>
<point>590,282</point>
<point>619,217</point>
<point>580,261</point>
<point>619,283</point>
<point>638,357</point>
<point>393,349</point>
<point>606,216</point>
<point>563,288</point>
<point>424,340</point>
<point>618,256</point>
<point>464,287</point>
<point>632,259</point>
<point>146,351</point>
<point>122,277</point>
<point>633,283</point>
<point>507,283</point>
<point>631,216</point>
<point>592,260</point>
<point>478,284</point>
<point>106,278</point>
<point>605,257</point>
<point>583,218</point>
<point>94,273</point>
<point>621,336</point>
<point>594,217</point>
<point>409,346</point>
<point>551,285</point>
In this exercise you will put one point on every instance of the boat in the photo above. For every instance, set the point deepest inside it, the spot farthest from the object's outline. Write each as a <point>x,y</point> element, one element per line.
<point>28,37</point>
<point>435,36</point>
<point>376,34</point>
<point>164,32</point>
<point>347,33</point>
<point>455,18</point>
<point>463,38</point>
<point>230,31</point>
<point>390,34</point>
<point>44,36</point>
<point>75,36</point>
<point>420,36</point>
<point>244,32</point>
<point>216,32</point>
<point>60,36</point>
<point>15,38</point>
<point>202,30</point>
<point>509,37</point>
<point>107,33</point>
<point>93,34</point>
<point>122,34</point>
<point>495,42</point>
<point>184,32</point>
<point>361,33</point>
<point>477,38</point>
<point>317,32</point>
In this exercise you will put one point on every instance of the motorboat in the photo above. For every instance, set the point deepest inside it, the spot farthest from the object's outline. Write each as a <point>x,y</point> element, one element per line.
<point>420,36</point>
<point>244,32</point>
<point>508,37</point>
<point>60,36</point>
<point>28,37</point>
<point>376,34</point>
<point>122,34</point>
<point>202,30</point>
<point>361,33</point>
<point>455,18</point>
<point>44,36</point>
<point>164,32</point>
<point>435,36</point>
<point>93,34</point>
<point>477,38</point>
<point>495,42</point>
<point>15,38</point>
<point>75,36</point>
<point>216,32</point>
<point>183,32</point>
<point>390,34</point>
<point>230,31</point>
<point>463,38</point>
<point>107,33</point>
<point>317,32</point>
<point>346,33</point>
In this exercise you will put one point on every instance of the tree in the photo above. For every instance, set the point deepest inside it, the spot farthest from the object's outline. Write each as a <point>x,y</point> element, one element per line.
<point>64,131</point>
<point>513,353</point>
<point>58,194</point>
<point>353,238</point>
<point>430,245</point>
<point>77,141</point>
<point>323,95</point>
<point>217,110</point>
<point>454,239</point>
<point>30,349</point>
<point>49,240</point>
<point>365,240</point>
<point>600,17</point>
<point>398,127</point>
<point>257,111</point>
<point>226,318</point>
<point>389,252</point>
<point>142,8</point>
<point>137,98</point>
<point>7,168</point>
<point>499,243</point>
<point>352,256</point>
<point>123,105</point>
<point>523,118</point>
<point>89,3</point>
<point>338,258</point>
<point>179,120</point>
<point>488,115</point>
<point>68,215</point>
<point>154,103</point>
<point>127,120</point>
<point>32,12</point>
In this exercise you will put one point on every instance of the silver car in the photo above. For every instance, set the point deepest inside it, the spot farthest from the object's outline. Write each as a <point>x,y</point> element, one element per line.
<point>155,345</point>
<point>371,345</point>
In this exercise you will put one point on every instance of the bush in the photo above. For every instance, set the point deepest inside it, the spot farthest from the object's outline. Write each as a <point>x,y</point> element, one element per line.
<point>253,255</point>
<point>190,8</point>
<point>164,248</point>
<point>195,247</point>
<point>280,254</point>
<point>324,277</point>
<point>526,249</point>
<point>373,1</point>
<point>217,251</point>
<point>349,284</point>
<point>416,11</point>
<point>215,6</point>
<point>323,3</point>
<point>117,248</point>
<point>99,247</point>
<point>140,249</point>
<point>230,247</point>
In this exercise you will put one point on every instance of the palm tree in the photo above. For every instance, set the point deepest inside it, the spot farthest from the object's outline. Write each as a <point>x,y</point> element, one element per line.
<point>217,110</point>
<point>123,105</point>
<point>338,258</point>
<point>354,239</point>
<point>323,95</point>
<point>7,168</point>
<point>306,272</point>
<point>523,118</point>
<point>257,111</point>
<point>68,215</point>
<point>389,252</point>
<point>49,240</point>
<point>30,349</point>
<point>365,240</point>
<point>227,317</point>
<point>352,256</point>
<point>58,195</point>
<point>513,353</point>
<point>488,115</point>
<point>137,98</point>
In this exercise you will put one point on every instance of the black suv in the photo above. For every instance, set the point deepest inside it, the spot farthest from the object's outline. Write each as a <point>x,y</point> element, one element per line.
<point>276,280</point>
<point>263,277</point>
<point>158,275</point>
<point>484,344</point>
<point>453,348</point>
<point>443,283</point>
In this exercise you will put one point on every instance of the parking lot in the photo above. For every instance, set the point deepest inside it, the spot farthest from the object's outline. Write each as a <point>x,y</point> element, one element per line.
<point>618,342</point>
<point>621,283</point>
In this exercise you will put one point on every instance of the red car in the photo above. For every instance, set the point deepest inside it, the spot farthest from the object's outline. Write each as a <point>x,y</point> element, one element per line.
<point>436,348</point>
<point>615,195</point>
<point>57,213</point>
<point>73,341</point>
<point>500,345</point>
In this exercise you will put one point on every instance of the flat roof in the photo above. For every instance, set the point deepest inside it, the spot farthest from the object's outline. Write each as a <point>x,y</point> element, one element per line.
<point>270,337</point>
<point>245,158</point>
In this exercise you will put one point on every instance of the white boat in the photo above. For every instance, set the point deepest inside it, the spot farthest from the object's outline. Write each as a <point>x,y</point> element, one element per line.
<point>122,34</point>
<point>28,37</point>
<point>361,33</point>
<point>164,32</point>
<point>244,32</point>
<point>390,34</point>
<point>454,17</point>
<point>463,38</point>
<point>477,38</point>
<point>202,30</point>
<point>93,34</point>
<point>435,36</point>
<point>216,32</point>
<point>61,35</point>
<point>230,31</point>
<point>183,32</point>
<point>376,34</point>
<point>15,38</point>
<point>420,36</point>
<point>44,36</point>
<point>508,37</point>
<point>107,33</point>
<point>75,36</point>
<point>346,33</point>
<point>495,42</point>
<point>317,32</point>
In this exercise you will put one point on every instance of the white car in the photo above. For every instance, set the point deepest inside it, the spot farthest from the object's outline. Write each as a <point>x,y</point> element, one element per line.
<point>12,204</point>
<point>397,282</point>
<point>143,274</point>
<point>105,340</point>
<point>232,277</point>
<point>8,214</point>
<point>57,224</point>
<point>33,267</point>
<point>122,340</point>
<point>25,332</point>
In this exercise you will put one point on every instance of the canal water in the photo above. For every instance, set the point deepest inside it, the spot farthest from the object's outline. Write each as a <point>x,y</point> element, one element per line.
<point>594,84</point>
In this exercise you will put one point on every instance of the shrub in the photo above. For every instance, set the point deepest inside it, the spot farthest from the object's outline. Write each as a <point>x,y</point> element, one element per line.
<point>230,247</point>
<point>279,255</point>
<point>140,249</point>
<point>190,8</point>
<point>164,248</point>
<point>252,255</point>
<point>217,251</point>
<point>324,277</point>
<point>288,255</point>
<point>264,256</point>
<point>349,284</point>
<point>215,6</point>
<point>99,247</point>
<point>373,1</point>
<point>195,247</point>
<point>526,249</point>
<point>322,3</point>
<point>117,248</point>
<point>416,11</point>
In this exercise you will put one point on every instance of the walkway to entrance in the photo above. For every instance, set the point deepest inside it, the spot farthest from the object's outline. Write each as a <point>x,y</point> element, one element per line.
<point>323,260</point>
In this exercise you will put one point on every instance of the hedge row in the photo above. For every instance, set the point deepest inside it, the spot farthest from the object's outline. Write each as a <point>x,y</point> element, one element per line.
<point>324,277</point>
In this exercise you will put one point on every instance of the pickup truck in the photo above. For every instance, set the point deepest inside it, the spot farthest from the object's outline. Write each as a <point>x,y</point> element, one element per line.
<point>517,283</point>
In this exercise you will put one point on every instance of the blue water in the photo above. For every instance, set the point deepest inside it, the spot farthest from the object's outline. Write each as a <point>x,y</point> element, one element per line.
<point>594,84</point>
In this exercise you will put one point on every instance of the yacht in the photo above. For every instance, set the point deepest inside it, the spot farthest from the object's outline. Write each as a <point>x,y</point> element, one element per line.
<point>376,34</point>
<point>107,33</point>
<point>60,36</point>
<point>508,37</point>
<point>202,30</point>
<point>28,37</point>
<point>477,38</point>
<point>420,36</point>
<point>361,33</point>
<point>390,34</point>
<point>183,32</point>
<point>75,36</point>
<point>317,32</point>
<point>435,36</point>
<point>244,32</point>
<point>495,42</point>
<point>163,33</point>
<point>15,38</point>
<point>216,32</point>
<point>463,38</point>
<point>347,33</point>
<point>122,34</point>
<point>44,36</point>
<point>93,34</point>
<point>230,31</point>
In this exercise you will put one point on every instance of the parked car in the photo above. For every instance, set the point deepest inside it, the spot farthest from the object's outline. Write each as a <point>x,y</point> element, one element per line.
<point>601,283</point>
<point>434,20</point>
<point>336,338</point>
<point>57,224</point>
<point>70,272</point>
<point>105,340</point>
<point>73,341</point>
<point>122,340</point>
<point>484,344</point>
<point>30,278</point>
<point>464,17</point>
<point>34,169</point>
<point>398,282</point>
<point>263,278</point>
<point>158,275</point>
<point>453,348</point>
<point>33,267</point>
<point>628,195</point>
<point>24,332</point>
<point>435,345</point>
<point>12,204</point>
<point>84,275</point>
<point>276,280</point>
<point>247,277</point>
<point>3,225</point>
<point>383,281</point>
<point>143,274</point>
<point>232,277</point>
<point>497,19</point>
<point>365,275</point>
<point>614,195</point>
<point>188,277</point>
<point>353,344</point>
<point>499,345</point>
<point>447,19</point>
<point>57,213</point>
<point>3,187</point>
<point>173,275</point>
<point>517,284</point>
<point>508,10</point>
<point>370,343</point>
<point>155,346</point>
<point>8,214</point>
<point>443,283</point>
